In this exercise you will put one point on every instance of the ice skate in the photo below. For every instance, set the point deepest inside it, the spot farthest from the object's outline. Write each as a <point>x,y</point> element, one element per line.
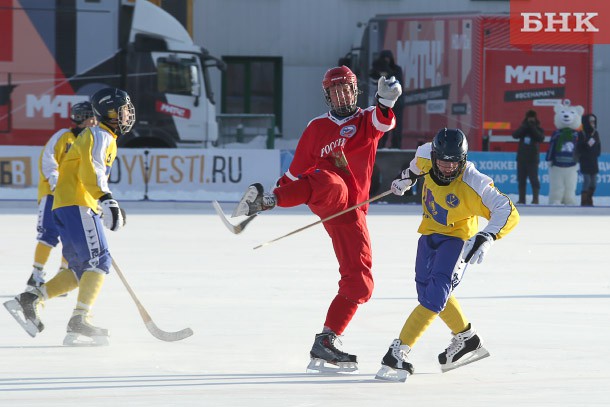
<point>81,333</point>
<point>326,358</point>
<point>255,200</point>
<point>395,365</point>
<point>24,308</point>
<point>465,347</point>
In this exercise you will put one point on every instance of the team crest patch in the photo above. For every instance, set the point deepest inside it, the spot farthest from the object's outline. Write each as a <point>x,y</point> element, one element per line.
<point>452,200</point>
<point>348,131</point>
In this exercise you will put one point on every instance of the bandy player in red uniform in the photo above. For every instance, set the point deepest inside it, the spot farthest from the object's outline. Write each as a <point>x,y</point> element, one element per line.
<point>331,171</point>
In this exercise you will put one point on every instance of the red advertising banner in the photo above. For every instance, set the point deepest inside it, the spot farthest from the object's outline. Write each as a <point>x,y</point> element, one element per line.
<point>559,22</point>
<point>515,83</point>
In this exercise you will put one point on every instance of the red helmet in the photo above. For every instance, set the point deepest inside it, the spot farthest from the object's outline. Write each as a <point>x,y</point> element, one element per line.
<point>339,74</point>
<point>344,103</point>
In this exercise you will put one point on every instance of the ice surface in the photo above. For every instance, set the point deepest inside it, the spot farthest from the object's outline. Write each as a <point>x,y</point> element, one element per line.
<point>540,301</point>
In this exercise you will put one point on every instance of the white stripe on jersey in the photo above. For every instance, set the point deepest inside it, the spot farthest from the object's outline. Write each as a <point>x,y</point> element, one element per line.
<point>289,175</point>
<point>377,124</point>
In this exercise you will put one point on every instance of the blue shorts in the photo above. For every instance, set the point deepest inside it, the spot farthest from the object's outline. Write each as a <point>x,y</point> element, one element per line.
<point>47,231</point>
<point>438,269</point>
<point>83,240</point>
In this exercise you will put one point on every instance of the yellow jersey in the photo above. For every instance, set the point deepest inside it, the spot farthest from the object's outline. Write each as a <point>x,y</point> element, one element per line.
<point>454,209</point>
<point>51,156</point>
<point>83,173</point>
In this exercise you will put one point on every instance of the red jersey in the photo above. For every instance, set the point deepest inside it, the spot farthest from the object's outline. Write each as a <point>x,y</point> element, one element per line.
<point>346,146</point>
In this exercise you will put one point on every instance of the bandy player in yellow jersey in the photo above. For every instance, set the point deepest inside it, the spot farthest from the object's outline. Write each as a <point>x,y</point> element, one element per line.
<point>454,195</point>
<point>51,157</point>
<point>82,187</point>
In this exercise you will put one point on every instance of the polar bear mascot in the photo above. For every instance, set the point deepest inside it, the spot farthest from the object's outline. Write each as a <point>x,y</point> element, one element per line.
<point>562,155</point>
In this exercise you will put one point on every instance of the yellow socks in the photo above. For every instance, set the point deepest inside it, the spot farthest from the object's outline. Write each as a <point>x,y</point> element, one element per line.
<point>416,325</point>
<point>88,289</point>
<point>41,255</point>
<point>63,282</point>
<point>453,316</point>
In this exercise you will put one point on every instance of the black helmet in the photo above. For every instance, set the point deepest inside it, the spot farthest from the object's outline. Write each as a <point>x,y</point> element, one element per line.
<point>113,107</point>
<point>449,145</point>
<point>81,112</point>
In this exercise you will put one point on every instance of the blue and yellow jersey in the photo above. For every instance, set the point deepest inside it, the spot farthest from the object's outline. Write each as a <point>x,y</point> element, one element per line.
<point>51,157</point>
<point>83,174</point>
<point>454,209</point>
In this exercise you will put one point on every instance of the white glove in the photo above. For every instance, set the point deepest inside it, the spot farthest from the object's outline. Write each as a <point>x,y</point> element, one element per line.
<point>403,183</point>
<point>388,91</point>
<point>52,181</point>
<point>112,215</point>
<point>476,247</point>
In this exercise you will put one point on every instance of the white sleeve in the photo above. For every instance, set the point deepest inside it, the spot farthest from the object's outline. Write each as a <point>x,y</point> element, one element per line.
<point>422,154</point>
<point>497,203</point>
<point>49,164</point>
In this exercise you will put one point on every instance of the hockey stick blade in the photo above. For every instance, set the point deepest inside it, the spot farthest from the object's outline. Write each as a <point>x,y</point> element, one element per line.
<point>167,336</point>
<point>146,318</point>
<point>236,229</point>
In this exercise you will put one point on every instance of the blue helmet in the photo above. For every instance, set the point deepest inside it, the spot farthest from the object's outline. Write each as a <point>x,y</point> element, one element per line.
<point>113,107</point>
<point>449,145</point>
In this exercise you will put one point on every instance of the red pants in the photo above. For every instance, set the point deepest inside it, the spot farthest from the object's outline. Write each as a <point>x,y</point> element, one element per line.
<point>325,193</point>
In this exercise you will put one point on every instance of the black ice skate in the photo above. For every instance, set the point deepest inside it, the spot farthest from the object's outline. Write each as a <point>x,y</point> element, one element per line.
<point>24,308</point>
<point>255,200</point>
<point>395,365</point>
<point>326,358</point>
<point>81,333</point>
<point>465,347</point>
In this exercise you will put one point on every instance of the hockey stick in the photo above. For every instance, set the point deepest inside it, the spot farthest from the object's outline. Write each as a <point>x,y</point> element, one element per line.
<point>351,208</point>
<point>236,229</point>
<point>150,325</point>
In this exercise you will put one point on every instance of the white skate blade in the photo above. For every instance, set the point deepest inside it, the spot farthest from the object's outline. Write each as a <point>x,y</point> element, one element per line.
<point>468,358</point>
<point>242,207</point>
<point>321,366</point>
<point>392,375</point>
<point>16,311</point>
<point>75,339</point>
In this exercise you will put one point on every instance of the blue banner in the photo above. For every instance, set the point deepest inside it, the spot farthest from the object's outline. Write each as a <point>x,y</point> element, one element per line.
<point>502,168</point>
